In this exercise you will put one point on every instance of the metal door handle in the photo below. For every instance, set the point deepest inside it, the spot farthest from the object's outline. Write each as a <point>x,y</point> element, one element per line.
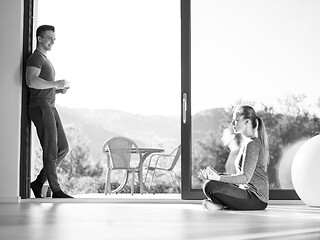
<point>184,107</point>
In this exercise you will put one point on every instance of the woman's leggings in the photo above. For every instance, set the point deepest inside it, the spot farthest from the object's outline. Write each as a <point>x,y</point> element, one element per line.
<point>231,196</point>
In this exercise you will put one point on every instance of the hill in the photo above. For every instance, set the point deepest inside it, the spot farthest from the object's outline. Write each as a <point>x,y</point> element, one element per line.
<point>146,131</point>
<point>209,120</point>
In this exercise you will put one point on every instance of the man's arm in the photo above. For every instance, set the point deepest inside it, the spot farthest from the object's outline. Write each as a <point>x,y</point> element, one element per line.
<point>34,81</point>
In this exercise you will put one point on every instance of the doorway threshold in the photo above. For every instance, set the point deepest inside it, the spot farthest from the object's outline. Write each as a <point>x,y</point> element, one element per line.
<point>115,198</point>
<point>160,198</point>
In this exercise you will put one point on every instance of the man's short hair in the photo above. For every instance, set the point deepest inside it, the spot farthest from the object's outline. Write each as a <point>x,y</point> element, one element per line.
<point>41,30</point>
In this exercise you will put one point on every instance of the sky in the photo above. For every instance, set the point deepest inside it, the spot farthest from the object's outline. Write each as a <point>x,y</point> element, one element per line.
<point>255,50</point>
<point>125,54</point>
<point>117,54</point>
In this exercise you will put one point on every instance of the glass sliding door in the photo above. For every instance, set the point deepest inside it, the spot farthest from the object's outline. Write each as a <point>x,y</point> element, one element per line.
<point>262,53</point>
<point>123,61</point>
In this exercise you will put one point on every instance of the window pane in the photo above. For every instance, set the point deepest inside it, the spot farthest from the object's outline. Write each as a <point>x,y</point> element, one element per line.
<point>262,53</point>
<point>123,61</point>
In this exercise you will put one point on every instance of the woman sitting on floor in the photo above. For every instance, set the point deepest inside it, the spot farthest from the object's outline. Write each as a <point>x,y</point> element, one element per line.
<point>248,189</point>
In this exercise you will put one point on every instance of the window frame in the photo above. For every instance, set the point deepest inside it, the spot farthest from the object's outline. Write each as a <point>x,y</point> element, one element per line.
<point>25,139</point>
<point>188,193</point>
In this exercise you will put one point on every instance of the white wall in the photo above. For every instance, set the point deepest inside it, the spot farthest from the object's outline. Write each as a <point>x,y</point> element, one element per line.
<point>11,40</point>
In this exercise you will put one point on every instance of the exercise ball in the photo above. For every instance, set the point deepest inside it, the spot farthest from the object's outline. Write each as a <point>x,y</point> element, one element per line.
<point>305,172</point>
<point>285,164</point>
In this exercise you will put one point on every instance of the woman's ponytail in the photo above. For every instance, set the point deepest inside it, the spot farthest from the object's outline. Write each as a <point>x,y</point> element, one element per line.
<point>258,125</point>
<point>262,135</point>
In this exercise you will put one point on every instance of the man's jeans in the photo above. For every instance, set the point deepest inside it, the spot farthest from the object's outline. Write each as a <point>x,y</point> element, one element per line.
<point>53,142</point>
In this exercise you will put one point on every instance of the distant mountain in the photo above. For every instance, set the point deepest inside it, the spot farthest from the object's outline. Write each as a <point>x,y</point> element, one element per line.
<point>209,120</point>
<point>146,131</point>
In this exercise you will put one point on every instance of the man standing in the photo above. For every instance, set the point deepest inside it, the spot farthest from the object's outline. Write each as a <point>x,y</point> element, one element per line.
<point>40,78</point>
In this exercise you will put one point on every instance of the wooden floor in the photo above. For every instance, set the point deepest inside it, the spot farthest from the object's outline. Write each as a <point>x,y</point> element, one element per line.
<point>93,221</point>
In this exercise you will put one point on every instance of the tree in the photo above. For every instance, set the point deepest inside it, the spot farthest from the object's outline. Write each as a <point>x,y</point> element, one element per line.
<point>291,123</point>
<point>78,172</point>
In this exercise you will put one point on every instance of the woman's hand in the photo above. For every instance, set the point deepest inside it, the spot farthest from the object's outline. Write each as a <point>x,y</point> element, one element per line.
<point>202,174</point>
<point>208,174</point>
<point>212,174</point>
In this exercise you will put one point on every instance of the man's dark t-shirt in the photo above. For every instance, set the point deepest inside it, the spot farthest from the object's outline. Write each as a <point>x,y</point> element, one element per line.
<point>42,97</point>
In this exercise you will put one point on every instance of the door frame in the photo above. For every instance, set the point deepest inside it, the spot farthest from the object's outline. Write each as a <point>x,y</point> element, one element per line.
<point>25,141</point>
<point>187,192</point>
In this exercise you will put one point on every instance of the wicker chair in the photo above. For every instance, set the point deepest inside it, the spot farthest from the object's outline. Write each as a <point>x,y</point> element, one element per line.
<point>119,151</point>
